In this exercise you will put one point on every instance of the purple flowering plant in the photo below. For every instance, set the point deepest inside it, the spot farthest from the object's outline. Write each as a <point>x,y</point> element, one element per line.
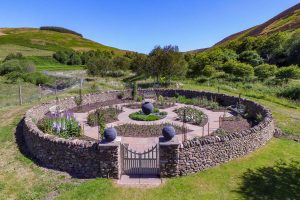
<point>61,124</point>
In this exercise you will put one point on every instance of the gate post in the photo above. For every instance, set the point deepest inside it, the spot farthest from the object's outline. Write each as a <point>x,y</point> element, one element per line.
<point>168,157</point>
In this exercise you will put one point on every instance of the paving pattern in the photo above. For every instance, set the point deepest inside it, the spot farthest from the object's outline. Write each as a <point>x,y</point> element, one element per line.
<point>141,144</point>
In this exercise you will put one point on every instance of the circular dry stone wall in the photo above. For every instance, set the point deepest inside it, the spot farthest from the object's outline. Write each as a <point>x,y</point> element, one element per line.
<point>88,159</point>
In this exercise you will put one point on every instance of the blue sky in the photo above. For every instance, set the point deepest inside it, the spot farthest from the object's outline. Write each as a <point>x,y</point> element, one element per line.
<point>139,25</point>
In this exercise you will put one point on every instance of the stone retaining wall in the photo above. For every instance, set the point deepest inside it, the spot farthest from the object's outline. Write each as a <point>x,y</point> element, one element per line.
<point>205,152</point>
<point>80,158</point>
<point>89,159</point>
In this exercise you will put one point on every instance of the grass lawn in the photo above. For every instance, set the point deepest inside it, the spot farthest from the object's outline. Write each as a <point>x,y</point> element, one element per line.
<point>20,178</point>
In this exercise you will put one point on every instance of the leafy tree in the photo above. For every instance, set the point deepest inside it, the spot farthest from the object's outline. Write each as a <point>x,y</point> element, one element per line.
<point>138,63</point>
<point>61,56</point>
<point>286,73</point>
<point>265,71</point>
<point>99,66</point>
<point>293,49</point>
<point>166,62</point>
<point>251,57</point>
<point>121,62</point>
<point>273,46</point>
<point>74,59</point>
<point>208,70</point>
<point>238,69</point>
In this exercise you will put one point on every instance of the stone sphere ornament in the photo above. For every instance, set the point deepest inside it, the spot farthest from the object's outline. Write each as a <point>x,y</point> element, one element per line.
<point>168,132</point>
<point>110,134</point>
<point>147,108</point>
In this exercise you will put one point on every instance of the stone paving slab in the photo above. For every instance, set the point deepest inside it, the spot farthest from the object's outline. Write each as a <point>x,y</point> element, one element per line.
<point>140,181</point>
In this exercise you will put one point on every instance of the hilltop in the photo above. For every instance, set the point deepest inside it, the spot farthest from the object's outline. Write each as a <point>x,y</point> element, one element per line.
<point>36,42</point>
<point>288,20</point>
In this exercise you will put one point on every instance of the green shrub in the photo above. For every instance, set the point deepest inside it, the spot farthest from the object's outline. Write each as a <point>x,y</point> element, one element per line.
<point>291,93</point>
<point>238,69</point>
<point>286,73</point>
<point>140,116</point>
<point>265,71</point>
<point>10,66</point>
<point>12,56</point>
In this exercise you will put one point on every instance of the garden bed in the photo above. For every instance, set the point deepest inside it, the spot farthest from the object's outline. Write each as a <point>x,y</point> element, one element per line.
<point>134,130</point>
<point>89,107</point>
<point>235,124</point>
<point>107,115</point>
<point>191,115</point>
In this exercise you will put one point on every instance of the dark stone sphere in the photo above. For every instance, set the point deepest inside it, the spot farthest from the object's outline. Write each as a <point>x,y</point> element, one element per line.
<point>147,108</point>
<point>168,132</point>
<point>110,134</point>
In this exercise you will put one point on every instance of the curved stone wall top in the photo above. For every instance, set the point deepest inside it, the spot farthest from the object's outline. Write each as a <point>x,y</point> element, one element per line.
<point>38,112</point>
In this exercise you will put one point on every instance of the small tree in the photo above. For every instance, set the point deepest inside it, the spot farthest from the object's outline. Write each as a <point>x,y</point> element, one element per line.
<point>134,91</point>
<point>265,71</point>
<point>100,123</point>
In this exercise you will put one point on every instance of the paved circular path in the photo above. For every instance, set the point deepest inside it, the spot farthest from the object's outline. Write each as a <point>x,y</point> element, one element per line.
<point>143,143</point>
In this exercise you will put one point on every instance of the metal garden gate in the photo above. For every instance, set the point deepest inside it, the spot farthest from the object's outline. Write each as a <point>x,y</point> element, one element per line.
<point>135,163</point>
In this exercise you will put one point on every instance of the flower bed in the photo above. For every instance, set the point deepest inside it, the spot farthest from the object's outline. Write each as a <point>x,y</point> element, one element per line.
<point>191,115</point>
<point>109,115</point>
<point>201,102</point>
<point>140,116</point>
<point>134,130</point>
<point>63,125</point>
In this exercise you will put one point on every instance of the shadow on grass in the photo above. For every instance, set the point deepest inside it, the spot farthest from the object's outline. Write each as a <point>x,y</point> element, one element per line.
<point>278,182</point>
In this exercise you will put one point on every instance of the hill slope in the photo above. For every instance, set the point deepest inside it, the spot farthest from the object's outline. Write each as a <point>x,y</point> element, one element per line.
<point>288,20</point>
<point>34,42</point>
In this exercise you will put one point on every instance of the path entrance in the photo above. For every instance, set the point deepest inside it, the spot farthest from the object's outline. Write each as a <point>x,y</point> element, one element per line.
<point>139,163</point>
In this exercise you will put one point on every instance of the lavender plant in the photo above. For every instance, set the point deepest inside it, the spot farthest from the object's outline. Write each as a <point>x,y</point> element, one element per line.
<point>61,125</point>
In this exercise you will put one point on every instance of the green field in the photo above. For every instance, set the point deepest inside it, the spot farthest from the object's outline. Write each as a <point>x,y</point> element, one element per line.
<point>6,49</point>
<point>49,64</point>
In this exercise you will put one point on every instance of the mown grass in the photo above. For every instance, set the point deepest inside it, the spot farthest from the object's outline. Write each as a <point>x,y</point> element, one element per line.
<point>6,49</point>
<point>49,40</point>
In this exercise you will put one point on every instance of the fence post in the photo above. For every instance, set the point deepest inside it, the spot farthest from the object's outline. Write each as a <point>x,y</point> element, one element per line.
<point>208,128</point>
<point>40,91</point>
<point>20,95</point>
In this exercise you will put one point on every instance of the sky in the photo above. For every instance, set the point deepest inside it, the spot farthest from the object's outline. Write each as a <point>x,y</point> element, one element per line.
<point>139,25</point>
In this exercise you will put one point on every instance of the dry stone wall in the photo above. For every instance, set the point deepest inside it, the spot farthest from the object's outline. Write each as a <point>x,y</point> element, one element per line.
<point>89,159</point>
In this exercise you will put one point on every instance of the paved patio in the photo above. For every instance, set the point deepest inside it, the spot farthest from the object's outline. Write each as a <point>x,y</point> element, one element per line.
<point>141,144</point>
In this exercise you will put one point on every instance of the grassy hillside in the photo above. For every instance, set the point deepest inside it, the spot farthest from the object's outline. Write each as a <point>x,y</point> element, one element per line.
<point>42,42</point>
<point>288,20</point>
